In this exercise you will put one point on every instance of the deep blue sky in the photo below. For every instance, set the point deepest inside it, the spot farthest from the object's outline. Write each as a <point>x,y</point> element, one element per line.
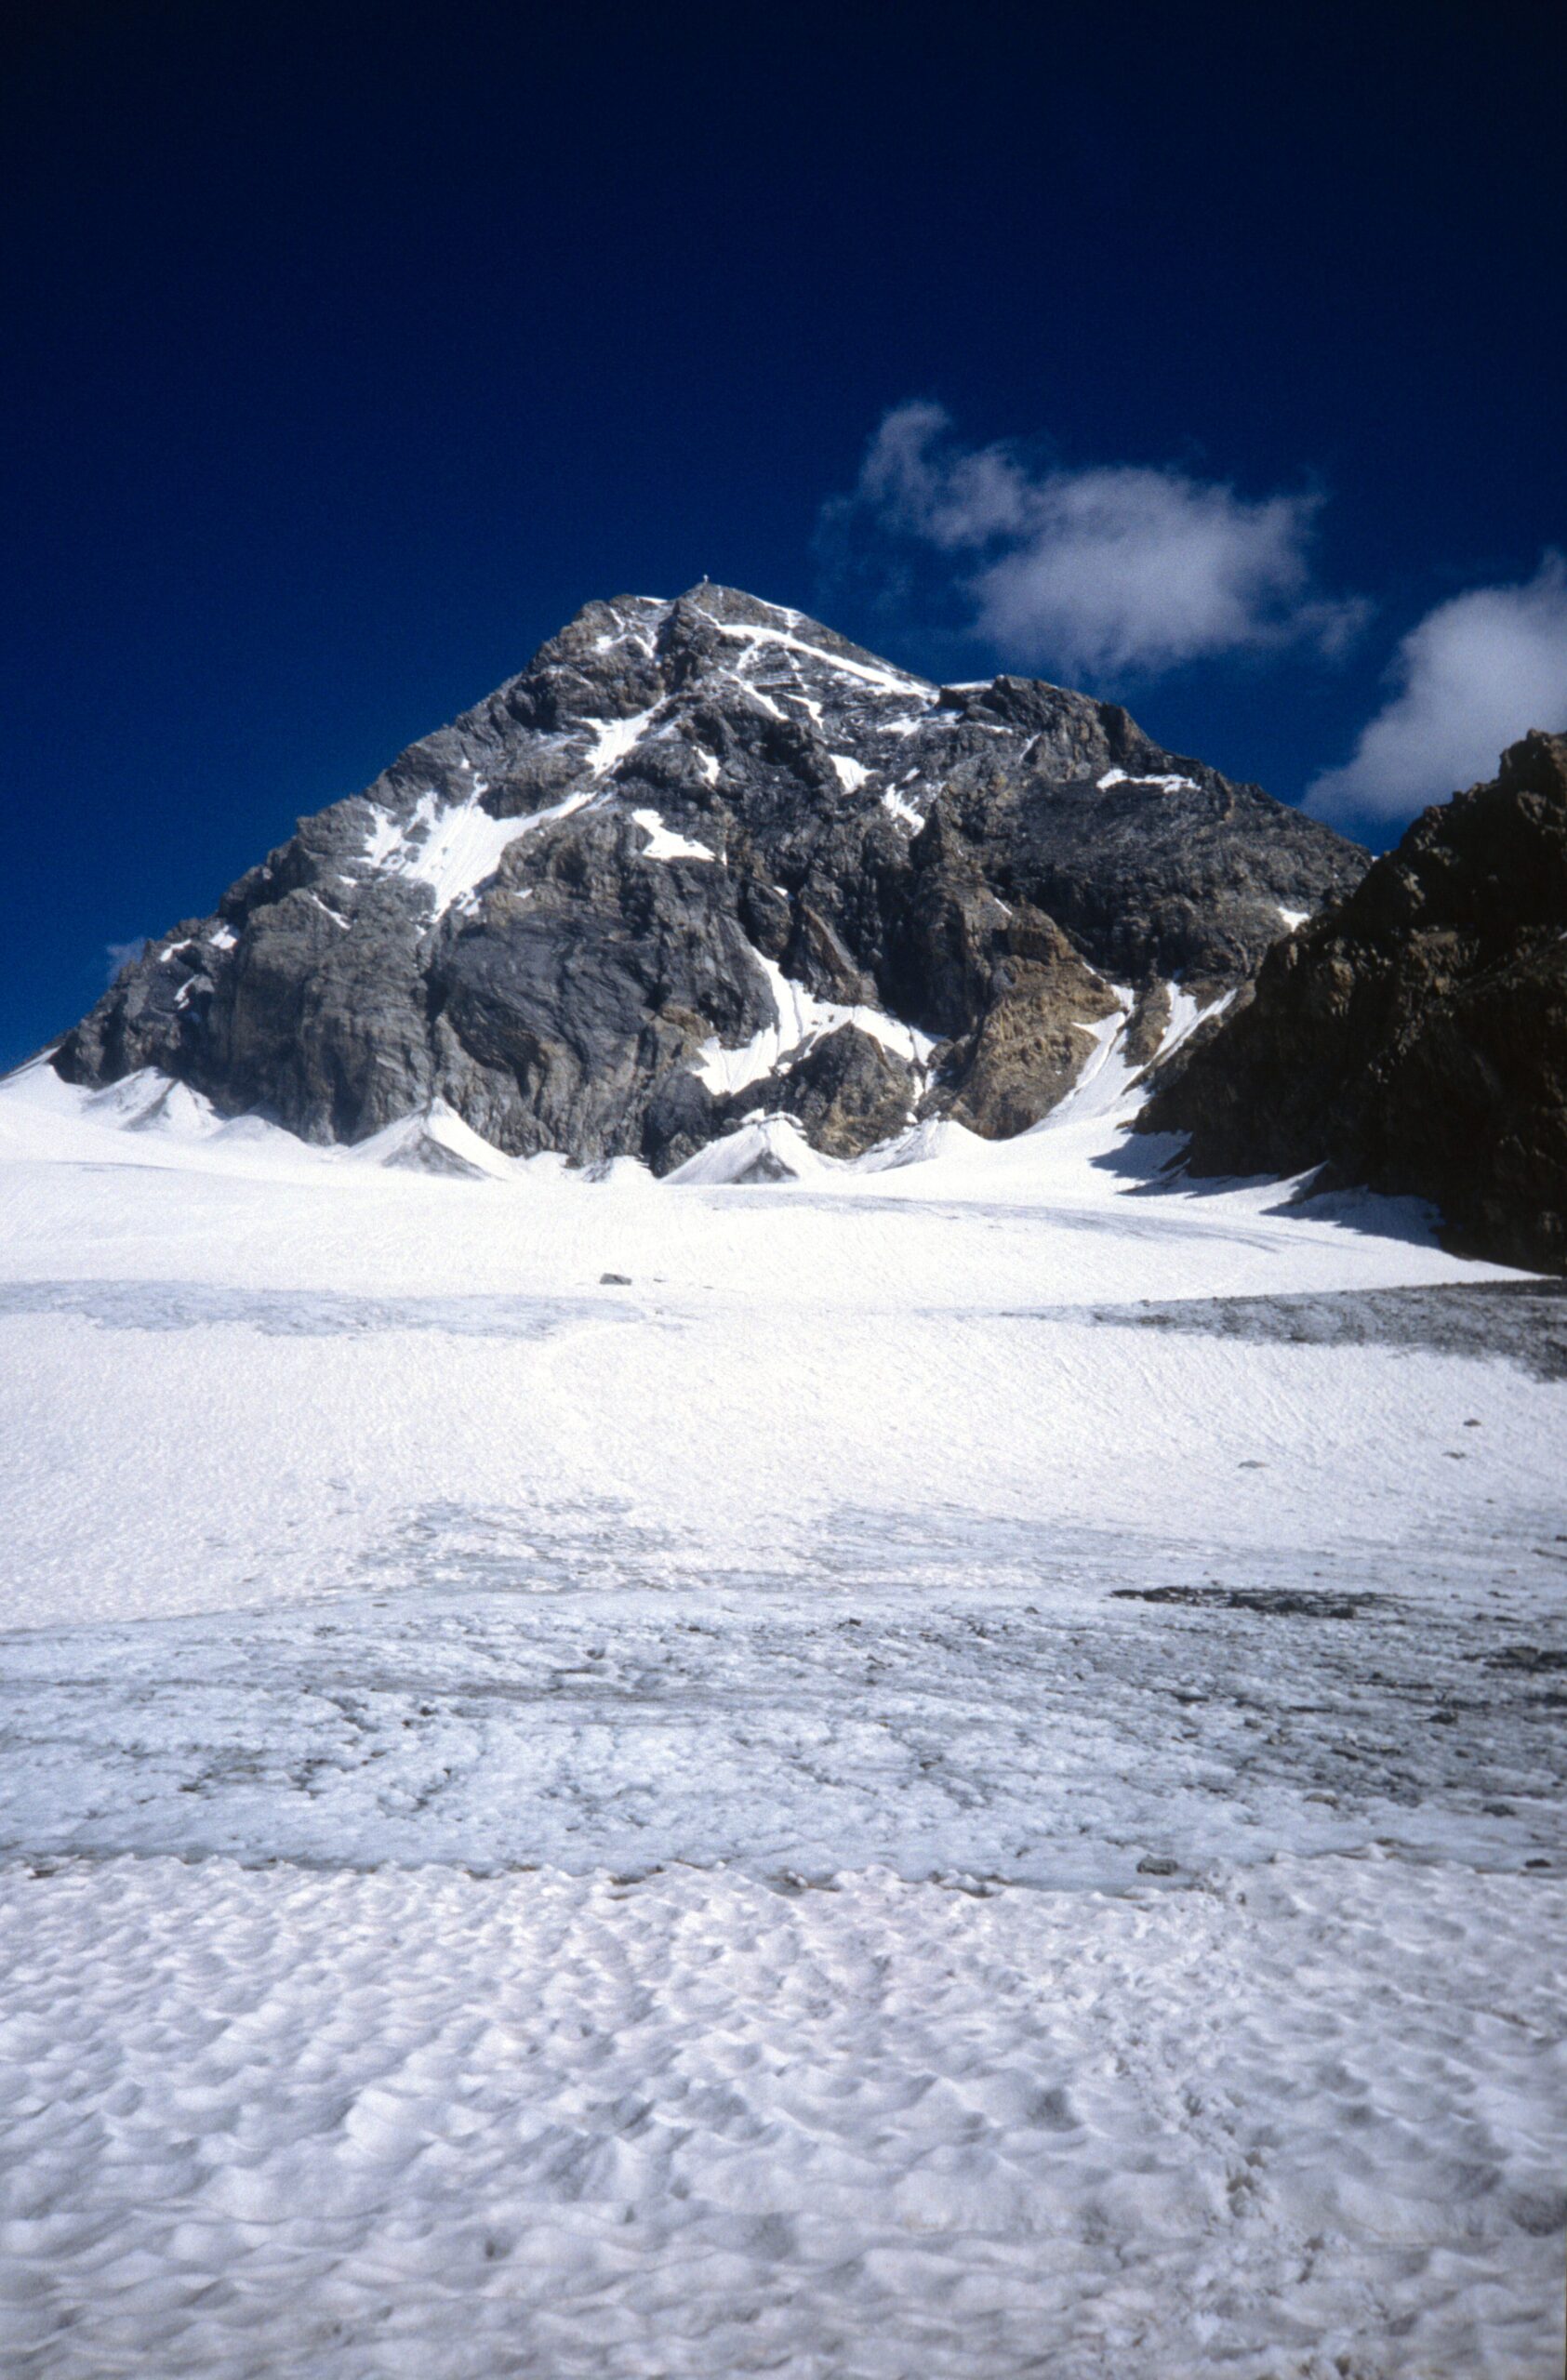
<point>351,348</point>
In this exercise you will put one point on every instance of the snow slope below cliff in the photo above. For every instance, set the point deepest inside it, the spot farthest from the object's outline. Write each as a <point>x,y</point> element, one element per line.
<point>241,1367</point>
<point>939,1777</point>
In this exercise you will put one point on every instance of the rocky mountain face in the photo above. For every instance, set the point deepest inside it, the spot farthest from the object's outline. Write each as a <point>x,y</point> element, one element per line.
<point>705,859</point>
<point>1415,1035</point>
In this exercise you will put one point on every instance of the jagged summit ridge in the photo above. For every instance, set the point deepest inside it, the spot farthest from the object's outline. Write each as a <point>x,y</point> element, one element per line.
<point>706,859</point>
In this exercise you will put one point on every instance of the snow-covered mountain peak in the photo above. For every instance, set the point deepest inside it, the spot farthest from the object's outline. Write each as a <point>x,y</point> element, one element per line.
<point>703,859</point>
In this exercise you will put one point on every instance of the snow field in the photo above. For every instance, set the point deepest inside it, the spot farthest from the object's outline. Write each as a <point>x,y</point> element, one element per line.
<point>422,2123</point>
<point>226,1426</point>
<point>730,1883</point>
<point>150,1467</point>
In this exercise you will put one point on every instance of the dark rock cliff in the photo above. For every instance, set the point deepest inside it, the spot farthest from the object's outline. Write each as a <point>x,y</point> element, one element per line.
<point>705,859</point>
<point>1414,1036</point>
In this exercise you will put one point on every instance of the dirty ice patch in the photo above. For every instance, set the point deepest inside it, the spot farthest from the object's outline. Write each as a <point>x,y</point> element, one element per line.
<point>935,1693</point>
<point>164,1306</point>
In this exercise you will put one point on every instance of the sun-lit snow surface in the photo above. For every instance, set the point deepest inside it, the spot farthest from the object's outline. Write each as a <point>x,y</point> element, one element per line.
<point>302,2121</point>
<point>1005,1973</point>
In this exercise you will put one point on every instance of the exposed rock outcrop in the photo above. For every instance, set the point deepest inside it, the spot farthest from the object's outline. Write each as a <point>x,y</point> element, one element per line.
<point>705,860</point>
<point>1414,1036</point>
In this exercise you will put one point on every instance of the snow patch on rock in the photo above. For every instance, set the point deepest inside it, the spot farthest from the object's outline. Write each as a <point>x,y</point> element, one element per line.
<point>615,738</point>
<point>901,809</point>
<point>455,847</point>
<point>884,681</point>
<point>663,842</point>
<point>800,1019</point>
<point>1169,783</point>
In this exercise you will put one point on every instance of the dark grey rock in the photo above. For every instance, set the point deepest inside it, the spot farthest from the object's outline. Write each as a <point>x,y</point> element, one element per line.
<point>490,923</point>
<point>847,1094</point>
<point>1415,1036</point>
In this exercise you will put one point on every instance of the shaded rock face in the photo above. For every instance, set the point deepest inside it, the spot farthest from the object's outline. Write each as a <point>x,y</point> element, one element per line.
<point>705,860</point>
<point>1414,1036</point>
<point>1033,1034</point>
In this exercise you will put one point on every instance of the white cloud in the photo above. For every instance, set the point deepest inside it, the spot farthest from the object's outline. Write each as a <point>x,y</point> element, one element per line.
<point>1116,568</point>
<point>1474,676</point>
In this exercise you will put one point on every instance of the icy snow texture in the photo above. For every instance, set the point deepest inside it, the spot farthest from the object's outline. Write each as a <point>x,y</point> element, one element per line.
<point>1007,1973</point>
<point>422,2123</point>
